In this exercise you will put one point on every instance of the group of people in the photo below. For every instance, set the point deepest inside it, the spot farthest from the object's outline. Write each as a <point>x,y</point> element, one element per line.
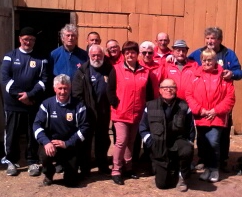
<point>66,101</point>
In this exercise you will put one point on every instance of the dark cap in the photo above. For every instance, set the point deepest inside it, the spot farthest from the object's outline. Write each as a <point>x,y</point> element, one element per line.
<point>180,44</point>
<point>28,31</point>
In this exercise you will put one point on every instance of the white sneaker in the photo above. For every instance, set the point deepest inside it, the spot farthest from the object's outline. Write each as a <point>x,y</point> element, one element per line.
<point>205,175</point>
<point>214,176</point>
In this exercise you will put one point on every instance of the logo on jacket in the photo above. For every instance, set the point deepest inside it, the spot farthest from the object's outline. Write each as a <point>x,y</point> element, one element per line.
<point>173,71</point>
<point>69,117</point>
<point>32,64</point>
<point>53,115</point>
<point>17,62</point>
<point>220,62</point>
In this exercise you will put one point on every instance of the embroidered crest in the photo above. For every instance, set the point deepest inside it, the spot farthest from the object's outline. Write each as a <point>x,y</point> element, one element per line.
<point>220,62</point>
<point>69,117</point>
<point>32,64</point>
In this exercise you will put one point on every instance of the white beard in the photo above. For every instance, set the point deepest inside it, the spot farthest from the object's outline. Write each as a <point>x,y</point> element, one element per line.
<point>96,64</point>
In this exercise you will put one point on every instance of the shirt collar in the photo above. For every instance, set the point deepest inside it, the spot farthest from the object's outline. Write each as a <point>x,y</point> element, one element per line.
<point>63,104</point>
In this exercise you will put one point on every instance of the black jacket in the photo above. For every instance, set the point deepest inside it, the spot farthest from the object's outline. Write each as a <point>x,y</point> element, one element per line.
<point>83,90</point>
<point>164,125</point>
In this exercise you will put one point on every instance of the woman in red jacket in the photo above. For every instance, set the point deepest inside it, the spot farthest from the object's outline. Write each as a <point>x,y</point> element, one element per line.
<point>211,98</point>
<point>127,94</point>
<point>157,70</point>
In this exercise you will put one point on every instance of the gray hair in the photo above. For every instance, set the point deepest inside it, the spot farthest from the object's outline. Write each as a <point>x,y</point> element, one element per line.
<point>69,27</point>
<point>214,30</point>
<point>96,46</point>
<point>147,45</point>
<point>62,79</point>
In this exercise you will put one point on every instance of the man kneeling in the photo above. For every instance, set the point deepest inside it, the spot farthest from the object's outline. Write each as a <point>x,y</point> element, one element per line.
<point>59,126</point>
<point>166,127</point>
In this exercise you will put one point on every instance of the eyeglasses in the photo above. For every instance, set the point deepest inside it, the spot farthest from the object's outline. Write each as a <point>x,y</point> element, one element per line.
<point>166,88</point>
<point>145,52</point>
<point>28,39</point>
<point>113,47</point>
<point>207,60</point>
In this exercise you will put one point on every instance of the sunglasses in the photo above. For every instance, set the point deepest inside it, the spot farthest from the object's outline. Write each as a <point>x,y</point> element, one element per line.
<point>145,52</point>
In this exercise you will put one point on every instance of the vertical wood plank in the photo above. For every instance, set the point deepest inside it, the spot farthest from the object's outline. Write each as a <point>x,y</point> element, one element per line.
<point>49,4</point>
<point>127,6</point>
<point>34,3</point>
<point>115,6</point>
<point>167,7</point>
<point>221,12</point>
<point>154,7</point>
<point>88,6</point>
<point>199,24</point>
<point>102,6</point>
<point>78,5</point>
<point>134,24</point>
<point>237,118</point>
<point>145,27</point>
<point>141,6</point>
<point>178,7</point>
<point>230,29</point>
<point>189,24</point>
<point>179,29</point>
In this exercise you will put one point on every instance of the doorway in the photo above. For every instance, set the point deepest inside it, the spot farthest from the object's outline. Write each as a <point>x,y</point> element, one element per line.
<point>46,23</point>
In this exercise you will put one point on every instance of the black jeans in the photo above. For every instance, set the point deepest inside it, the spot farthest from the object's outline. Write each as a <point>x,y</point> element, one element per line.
<point>66,157</point>
<point>183,156</point>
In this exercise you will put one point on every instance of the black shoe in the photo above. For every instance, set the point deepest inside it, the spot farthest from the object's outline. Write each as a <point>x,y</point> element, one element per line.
<point>118,179</point>
<point>47,181</point>
<point>130,174</point>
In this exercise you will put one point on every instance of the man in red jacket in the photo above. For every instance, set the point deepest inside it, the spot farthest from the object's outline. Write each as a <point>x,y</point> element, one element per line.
<point>181,70</point>
<point>162,50</point>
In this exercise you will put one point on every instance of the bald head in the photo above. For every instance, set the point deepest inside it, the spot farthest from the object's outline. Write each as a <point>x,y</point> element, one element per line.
<point>162,41</point>
<point>168,90</point>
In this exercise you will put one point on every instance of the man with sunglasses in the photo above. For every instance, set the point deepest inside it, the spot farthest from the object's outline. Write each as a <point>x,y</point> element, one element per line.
<point>165,129</point>
<point>24,81</point>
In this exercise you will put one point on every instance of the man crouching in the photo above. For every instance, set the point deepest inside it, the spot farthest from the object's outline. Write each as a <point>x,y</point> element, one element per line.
<point>59,126</point>
<point>166,127</point>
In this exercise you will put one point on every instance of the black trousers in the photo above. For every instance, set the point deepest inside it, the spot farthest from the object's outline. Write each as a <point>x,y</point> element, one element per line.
<point>181,158</point>
<point>100,133</point>
<point>18,123</point>
<point>65,157</point>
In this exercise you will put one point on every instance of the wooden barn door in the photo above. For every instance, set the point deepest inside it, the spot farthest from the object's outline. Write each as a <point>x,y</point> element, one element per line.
<point>6,46</point>
<point>109,26</point>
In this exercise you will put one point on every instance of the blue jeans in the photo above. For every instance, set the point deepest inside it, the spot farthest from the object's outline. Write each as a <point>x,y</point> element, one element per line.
<point>208,139</point>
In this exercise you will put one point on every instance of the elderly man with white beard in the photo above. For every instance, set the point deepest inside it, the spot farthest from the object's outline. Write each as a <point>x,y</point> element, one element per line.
<point>89,85</point>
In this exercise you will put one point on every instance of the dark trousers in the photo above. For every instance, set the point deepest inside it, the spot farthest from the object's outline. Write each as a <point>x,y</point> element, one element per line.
<point>65,157</point>
<point>18,123</point>
<point>209,140</point>
<point>100,132</point>
<point>225,141</point>
<point>181,158</point>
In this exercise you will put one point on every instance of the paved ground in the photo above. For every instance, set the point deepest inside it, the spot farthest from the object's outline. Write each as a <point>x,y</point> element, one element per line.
<point>101,186</point>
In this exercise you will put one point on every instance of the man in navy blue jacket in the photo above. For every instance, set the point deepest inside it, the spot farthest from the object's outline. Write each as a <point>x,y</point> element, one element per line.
<point>23,78</point>
<point>67,58</point>
<point>60,125</point>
